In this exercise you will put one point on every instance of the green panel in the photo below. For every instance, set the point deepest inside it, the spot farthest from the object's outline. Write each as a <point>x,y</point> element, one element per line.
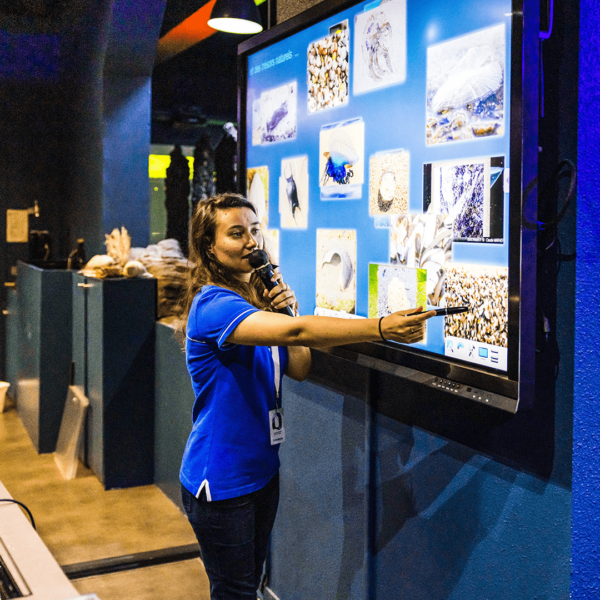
<point>373,295</point>
<point>422,288</point>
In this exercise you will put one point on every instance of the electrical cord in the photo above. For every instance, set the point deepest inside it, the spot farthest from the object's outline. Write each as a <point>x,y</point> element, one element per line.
<point>558,174</point>
<point>22,506</point>
<point>551,241</point>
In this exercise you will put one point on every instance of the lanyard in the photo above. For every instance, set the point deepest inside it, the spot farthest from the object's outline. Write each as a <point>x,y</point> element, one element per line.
<point>276,372</point>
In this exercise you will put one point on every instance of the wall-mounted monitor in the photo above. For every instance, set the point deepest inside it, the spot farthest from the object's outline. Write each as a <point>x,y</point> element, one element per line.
<point>382,144</point>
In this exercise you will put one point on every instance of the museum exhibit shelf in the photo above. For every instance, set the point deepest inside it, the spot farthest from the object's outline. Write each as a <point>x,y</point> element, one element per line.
<point>113,354</point>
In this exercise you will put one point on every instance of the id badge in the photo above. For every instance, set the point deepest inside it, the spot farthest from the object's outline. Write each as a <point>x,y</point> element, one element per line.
<point>276,426</point>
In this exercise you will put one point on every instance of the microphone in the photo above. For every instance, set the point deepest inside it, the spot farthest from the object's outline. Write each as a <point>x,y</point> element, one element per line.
<point>259,261</point>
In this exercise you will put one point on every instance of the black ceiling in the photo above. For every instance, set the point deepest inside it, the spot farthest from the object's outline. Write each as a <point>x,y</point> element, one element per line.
<point>198,85</point>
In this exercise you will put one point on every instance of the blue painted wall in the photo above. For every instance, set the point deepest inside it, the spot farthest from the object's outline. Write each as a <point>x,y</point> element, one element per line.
<point>586,425</point>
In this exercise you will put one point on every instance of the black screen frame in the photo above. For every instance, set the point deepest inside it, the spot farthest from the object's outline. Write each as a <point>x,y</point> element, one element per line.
<point>518,381</point>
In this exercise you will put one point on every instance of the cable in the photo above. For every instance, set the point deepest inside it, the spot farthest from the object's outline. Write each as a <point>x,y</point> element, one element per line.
<point>558,174</point>
<point>22,506</point>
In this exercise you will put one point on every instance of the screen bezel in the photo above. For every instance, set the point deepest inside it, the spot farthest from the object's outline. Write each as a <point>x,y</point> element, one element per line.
<point>505,383</point>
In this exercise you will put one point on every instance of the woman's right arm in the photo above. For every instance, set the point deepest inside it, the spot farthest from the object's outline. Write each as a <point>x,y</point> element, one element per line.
<point>273,329</point>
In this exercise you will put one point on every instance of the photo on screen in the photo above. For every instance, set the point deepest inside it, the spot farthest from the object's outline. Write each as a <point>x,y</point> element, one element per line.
<point>388,183</point>
<point>293,192</point>
<point>278,113</point>
<point>328,70</point>
<point>380,47</point>
<point>336,270</point>
<point>471,193</point>
<point>342,159</point>
<point>257,186</point>
<point>393,288</point>
<point>465,87</point>
<point>256,123</point>
<point>485,290</point>
<point>423,241</point>
<point>271,238</point>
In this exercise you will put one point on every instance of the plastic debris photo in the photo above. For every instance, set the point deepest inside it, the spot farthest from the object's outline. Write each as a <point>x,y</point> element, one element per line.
<point>276,112</point>
<point>257,184</point>
<point>465,87</point>
<point>293,192</point>
<point>327,76</point>
<point>485,291</point>
<point>341,160</point>
<point>424,241</point>
<point>336,270</point>
<point>388,183</point>
<point>380,47</point>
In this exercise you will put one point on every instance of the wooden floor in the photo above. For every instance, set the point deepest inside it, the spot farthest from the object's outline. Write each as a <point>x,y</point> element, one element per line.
<point>80,522</point>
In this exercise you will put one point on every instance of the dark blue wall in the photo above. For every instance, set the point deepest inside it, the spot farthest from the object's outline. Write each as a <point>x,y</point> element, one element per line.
<point>586,441</point>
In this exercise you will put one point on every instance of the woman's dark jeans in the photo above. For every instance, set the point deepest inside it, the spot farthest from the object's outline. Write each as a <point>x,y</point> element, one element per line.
<point>233,535</point>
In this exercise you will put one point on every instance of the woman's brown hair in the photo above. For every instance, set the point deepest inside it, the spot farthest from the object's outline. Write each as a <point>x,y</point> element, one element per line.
<point>205,267</point>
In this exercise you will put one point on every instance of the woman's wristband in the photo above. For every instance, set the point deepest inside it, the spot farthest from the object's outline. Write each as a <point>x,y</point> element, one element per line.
<point>381,334</point>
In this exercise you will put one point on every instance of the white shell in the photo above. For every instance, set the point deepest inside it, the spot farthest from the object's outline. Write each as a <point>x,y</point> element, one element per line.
<point>476,75</point>
<point>338,255</point>
<point>257,197</point>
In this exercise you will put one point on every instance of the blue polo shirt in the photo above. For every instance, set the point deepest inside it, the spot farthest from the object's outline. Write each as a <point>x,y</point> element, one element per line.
<point>228,453</point>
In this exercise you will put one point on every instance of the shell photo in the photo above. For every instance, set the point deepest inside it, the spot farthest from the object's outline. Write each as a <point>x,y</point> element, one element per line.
<point>388,183</point>
<point>293,192</point>
<point>271,238</point>
<point>257,184</point>
<point>485,291</point>
<point>336,270</point>
<point>380,47</point>
<point>341,160</point>
<point>393,288</point>
<point>256,123</point>
<point>278,113</point>
<point>424,241</point>
<point>465,87</point>
<point>327,75</point>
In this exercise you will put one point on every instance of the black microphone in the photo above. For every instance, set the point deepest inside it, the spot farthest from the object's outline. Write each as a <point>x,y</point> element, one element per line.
<point>259,260</point>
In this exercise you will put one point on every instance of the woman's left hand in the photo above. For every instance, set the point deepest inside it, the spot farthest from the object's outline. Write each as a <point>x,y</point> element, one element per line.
<point>281,295</point>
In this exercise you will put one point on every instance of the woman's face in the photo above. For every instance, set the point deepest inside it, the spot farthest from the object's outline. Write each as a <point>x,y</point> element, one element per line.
<point>236,235</point>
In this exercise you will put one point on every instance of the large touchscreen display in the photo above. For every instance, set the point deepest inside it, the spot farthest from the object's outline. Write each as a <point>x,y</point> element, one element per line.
<point>377,150</point>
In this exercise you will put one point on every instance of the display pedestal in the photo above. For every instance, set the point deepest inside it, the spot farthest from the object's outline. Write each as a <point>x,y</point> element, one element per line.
<point>40,352</point>
<point>113,351</point>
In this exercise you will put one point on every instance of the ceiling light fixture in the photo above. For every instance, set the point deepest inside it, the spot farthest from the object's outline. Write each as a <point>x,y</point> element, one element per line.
<point>235,16</point>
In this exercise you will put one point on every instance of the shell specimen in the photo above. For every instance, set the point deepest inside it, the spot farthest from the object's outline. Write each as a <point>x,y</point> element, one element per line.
<point>277,116</point>
<point>328,71</point>
<point>476,76</point>
<point>397,298</point>
<point>423,241</point>
<point>485,290</point>
<point>387,190</point>
<point>117,245</point>
<point>376,49</point>
<point>337,256</point>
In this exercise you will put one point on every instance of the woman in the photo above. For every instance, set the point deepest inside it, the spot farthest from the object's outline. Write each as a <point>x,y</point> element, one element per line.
<point>238,348</point>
